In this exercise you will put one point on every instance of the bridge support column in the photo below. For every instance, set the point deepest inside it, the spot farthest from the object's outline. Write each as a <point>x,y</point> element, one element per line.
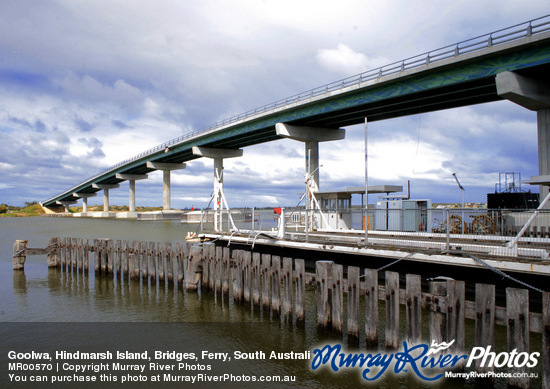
<point>166,169</point>
<point>84,197</point>
<point>105,188</point>
<point>532,93</point>
<point>311,136</point>
<point>131,178</point>
<point>66,204</point>
<point>218,156</point>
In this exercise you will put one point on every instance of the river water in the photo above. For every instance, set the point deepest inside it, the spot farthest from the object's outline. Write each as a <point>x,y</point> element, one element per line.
<point>47,311</point>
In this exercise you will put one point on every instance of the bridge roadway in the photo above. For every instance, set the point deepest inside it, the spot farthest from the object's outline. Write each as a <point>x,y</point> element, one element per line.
<point>453,76</point>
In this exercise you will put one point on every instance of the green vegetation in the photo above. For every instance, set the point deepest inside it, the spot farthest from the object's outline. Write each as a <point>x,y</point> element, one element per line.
<point>31,209</point>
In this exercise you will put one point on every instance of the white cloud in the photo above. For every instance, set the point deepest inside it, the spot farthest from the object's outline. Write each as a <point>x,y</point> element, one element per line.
<point>348,62</point>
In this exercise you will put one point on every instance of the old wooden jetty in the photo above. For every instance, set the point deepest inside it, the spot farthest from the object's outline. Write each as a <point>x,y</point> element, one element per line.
<point>278,285</point>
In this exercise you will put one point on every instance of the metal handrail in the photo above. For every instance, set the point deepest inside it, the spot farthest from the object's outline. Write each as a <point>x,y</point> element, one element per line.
<point>518,31</point>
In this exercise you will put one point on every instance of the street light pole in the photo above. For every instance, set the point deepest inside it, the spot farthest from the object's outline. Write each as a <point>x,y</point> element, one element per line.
<point>462,189</point>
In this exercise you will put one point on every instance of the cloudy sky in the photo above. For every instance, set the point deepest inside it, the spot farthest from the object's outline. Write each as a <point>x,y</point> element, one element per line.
<point>85,84</point>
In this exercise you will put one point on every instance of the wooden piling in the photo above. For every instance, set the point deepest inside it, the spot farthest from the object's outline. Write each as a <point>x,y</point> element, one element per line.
<point>193,271</point>
<point>169,262</point>
<point>219,270</point>
<point>19,254</point>
<point>413,309</point>
<point>256,278</point>
<point>276,285</point>
<point>246,269</point>
<point>337,298</point>
<point>392,310</point>
<point>181,249</point>
<point>287,288</point>
<point>226,262</point>
<point>371,307</point>
<point>517,309</point>
<point>153,259</point>
<point>456,297</point>
<point>52,258</point>
<point>161,258</point>
<point>484,321</point>
<point>438,325</point>
<point>237,276</point>
<point>353,290</point>
<point>300,304</point>
<point>266,281</point>
<point>324,315</point>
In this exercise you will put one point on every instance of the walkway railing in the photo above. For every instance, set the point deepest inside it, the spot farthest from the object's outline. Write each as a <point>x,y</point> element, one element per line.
<point>469,230</point>
<point>499,37</point>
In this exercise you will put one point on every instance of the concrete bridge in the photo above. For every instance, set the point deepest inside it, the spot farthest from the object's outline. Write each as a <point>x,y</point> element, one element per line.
<point>512,64</point>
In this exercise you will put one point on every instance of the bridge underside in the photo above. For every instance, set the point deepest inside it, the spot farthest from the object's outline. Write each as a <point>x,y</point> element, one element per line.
<point>445,86</point>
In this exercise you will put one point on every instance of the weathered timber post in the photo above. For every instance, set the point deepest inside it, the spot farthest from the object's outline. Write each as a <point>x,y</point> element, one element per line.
<point>413,309</point>
<point>226,263</point>
<point>144,260</point>
<point>546,340</point>
<point>193,271</point>
<point>392,309</point>
<point>456,296</point>
<point>211,256</point>
<point>354,289</point>
<point>287,287</point>
<point>135,260</point>
<point>125,272</point>
<point>53,258</point>
<point>485,322</point>
<point>371,307</point>
<point>179,262</point>
<point>78,254</point>
<point>109,255</point>
<point>219,268</point>
<point>118,257</point>
<point>517,310</point>
<point>266,281</point>
<point>323,270</point>
<point>160,258</point>
<point>97,255</point>
<point>19,254</point>
<point>61,251</point>
<point>256,277</point>
<point>300,291</point>
<point>337,298</point>
<point>438,324</point>
<point>246,267</point>
<point>169,262</point>
<point>152,267</point>
<point>276,284</point>
<point>237,276</point>
<point>74,253</point>
<point>86,244</point>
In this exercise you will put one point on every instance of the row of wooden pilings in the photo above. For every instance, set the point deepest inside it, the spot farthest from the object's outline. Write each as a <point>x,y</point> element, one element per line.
<point>279,285</point>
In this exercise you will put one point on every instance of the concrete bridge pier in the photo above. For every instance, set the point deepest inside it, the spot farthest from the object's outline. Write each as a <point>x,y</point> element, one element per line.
<point>218,155</point>
<point>66,204</point>
<point>105,188</point>
<point>167,189</point>
<point>84,197</point>
<point>532,92</point>
<point>311,136</point>
<point>132,178</point>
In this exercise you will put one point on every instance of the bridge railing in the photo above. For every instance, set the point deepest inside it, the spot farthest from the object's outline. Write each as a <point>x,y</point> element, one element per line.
<point>526,29</point>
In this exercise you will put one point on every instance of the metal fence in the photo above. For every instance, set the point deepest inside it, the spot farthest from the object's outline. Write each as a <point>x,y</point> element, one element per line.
<point>469,230</point>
